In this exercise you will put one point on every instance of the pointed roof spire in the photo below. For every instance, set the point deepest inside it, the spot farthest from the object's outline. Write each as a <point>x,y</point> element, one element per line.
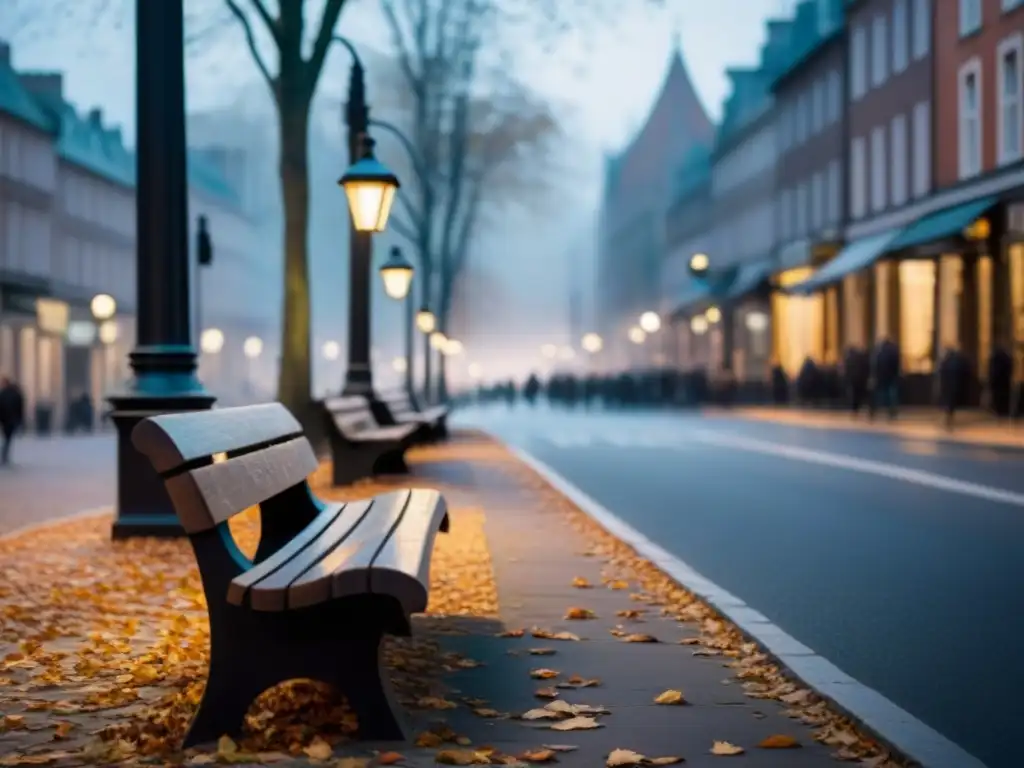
<point>677,38</point>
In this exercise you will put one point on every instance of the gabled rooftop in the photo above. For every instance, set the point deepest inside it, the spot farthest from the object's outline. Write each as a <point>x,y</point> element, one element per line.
<point>15,100</point>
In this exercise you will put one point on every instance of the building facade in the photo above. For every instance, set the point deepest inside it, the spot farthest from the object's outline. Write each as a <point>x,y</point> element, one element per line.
<point>67,212</point>
<point>810,134</point>
<point>637,192</point>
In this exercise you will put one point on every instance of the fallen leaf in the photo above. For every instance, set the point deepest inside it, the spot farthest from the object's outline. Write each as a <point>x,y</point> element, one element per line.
<point>580,613</point>
<point>670,696</point>
<point>629,614</point>
<point>538,756</point>
<point>62,730</point>
<point>349,762</point>
<point>318,749</point>
<point>389,758</point>
<point>577,724</point>
<point>618,584</point>
<point>561,747</point>
<point>667,760</point>
<point>462,757</point>
<point>724,748</point>
<point>690,641</point>
<point>779,741</point>
<point>564,636</point>
<point>546,693</point>
<point>512,633</point>
<point>542,651</point>
<point>622,757</point>
<point>226,746</point>
<point>429,740</point>
<point>639,638</point>
<point>487,712</point>
<point>435,702</point>
<point>543,674</point>
<point>540,714</point>
<point>575,681</point>
<point>707,652</point>
<point>580,583</point>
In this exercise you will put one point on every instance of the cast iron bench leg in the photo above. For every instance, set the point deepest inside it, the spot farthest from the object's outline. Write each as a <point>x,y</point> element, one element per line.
<point>364,682</point>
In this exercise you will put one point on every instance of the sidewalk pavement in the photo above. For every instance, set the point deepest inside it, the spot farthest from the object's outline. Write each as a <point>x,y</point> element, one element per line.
<point>546,640</point>
<point>970,427</point>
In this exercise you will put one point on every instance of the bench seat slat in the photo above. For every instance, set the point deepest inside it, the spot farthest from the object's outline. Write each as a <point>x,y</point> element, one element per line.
<point>174,439</point>
<point>402,566</point>
<point>270,591</point>
<point>214,493</point>
<point>345,571</point>
<point>307,536</point>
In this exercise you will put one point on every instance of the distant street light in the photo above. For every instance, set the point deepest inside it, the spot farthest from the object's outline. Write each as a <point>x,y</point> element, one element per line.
<point>699,265</point>
<point>699,325</point>
<point>438,340</point>
<point>370,188</point>
<point>637,335</point>
<point>566,353</point>
<point>108,332</point>
<point>425,321</point>
<point>331,350</point>
<point>211,341</point>
<point>103,306</point>
<point>592,343</point>
<point>650,322</point>
<point>396,273</point>
<point>399,365</point>
<point>252,347</point>
<point>549,351</point>
<point>714,315</point>
<point>452,348</point>
<point>757,322</point>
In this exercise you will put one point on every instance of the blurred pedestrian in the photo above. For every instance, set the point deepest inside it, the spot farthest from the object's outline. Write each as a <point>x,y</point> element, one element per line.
<point>954,382</point>
<point>887,378</point>
<point>12,415</point>
<point>532,389</point>
<point>857,371</point>
<point>1000,381</point>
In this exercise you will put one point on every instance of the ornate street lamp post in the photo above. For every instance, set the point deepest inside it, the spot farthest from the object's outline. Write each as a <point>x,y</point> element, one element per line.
<point>397,275</point>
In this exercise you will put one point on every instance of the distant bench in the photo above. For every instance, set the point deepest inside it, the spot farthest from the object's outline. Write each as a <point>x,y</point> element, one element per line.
<point>328,581</point>
<point>360,447</point>
<point>433,421</point>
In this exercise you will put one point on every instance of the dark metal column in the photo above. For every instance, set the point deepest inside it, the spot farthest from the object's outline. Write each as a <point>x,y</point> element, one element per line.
<point>358,376</point>
<point>164,360</point>
<point>410,333</point>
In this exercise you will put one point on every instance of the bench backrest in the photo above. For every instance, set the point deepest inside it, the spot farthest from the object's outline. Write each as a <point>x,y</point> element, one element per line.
<point>351,414</point>
<point>218,463</point>
<point>398,402</point>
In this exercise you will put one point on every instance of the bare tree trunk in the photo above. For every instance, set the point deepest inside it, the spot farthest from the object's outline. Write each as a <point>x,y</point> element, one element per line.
<point>294,377</point>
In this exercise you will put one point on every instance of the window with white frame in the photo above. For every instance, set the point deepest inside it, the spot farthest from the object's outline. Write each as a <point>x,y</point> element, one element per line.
<point>922,150</point>
<point>817,201</point>
<point>834,97</point>
<point>899,161</point>
<point>970,17</point>
<point>922,28</point>
<point>900,39</point>
<point>834,193</point>
<point>801,209</point>
<point>818,105</point>
<point>858,178</point>
<point>879,50</point>
<point>858,62</point>
<point>969,119</point>
<point>879,169</point>
<point>1010,111</point>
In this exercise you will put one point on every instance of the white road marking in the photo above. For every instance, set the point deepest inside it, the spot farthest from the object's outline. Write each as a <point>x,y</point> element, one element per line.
<point>866,466</point>
<point>892,724</point>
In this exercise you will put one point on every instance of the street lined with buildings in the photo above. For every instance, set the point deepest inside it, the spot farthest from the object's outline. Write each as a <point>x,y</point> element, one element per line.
<point>897,560</point>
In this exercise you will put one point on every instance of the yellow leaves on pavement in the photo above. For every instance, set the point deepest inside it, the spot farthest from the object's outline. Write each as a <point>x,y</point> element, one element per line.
<point>489,714</point>
<point>580,614</point>
<point>621,758</point>
<point>389,758</point>
<point>462,757</point>
<point>580,583</point>
<point>560,747</point>
<point>226,746</point>
<point>435,702</point>
<point>545,634</point>
<point>512,633</point>
<point>538,756</point>
<point>542,651</point>
<point>779,741</point>
<point>637,637</point>
<point>429,739</point>
<point>577,681</point>
<point>618,584</point>
<point>318,749</point>
<point>543,674</point>
<point>670,697</point>
<point>546,693</point>
<point>581,723</point>
<point>725,749</point>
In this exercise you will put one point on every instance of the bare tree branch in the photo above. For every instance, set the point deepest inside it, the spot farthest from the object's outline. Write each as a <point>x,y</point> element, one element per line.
<point>250,40</point>
<point>328,21</point>
<point>264,14</point>
<point>403,229</point>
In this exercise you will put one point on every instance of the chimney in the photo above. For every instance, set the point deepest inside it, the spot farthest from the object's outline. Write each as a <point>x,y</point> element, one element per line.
<point>5,52</point>
<point>45,84</point>
<point>96,117</point>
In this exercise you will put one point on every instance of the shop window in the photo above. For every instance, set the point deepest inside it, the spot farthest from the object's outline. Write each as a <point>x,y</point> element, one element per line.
<point>797,324</point>
<point>883,302</point>
<point>1016,252</point>
<point>917,315</point>
<point>950,287</point>
<point>984,314</point>
<point>853,311</point>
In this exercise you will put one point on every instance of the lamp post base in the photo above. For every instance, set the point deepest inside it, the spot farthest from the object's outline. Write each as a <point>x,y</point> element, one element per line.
<point>165,382</point>
<point>358,382</point>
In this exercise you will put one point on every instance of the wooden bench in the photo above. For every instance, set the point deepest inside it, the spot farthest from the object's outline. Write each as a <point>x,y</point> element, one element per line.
<point>402,410</point>
<point>328,580</point>
<point>360,447</point>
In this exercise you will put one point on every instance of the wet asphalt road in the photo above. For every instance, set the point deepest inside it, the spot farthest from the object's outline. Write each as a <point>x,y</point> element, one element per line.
<point>915,590</point>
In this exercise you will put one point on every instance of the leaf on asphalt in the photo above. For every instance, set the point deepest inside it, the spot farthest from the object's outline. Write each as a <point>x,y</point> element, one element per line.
<point>318,749</point>
<point>512,633</point>
<point>580,613</point>
<point>348,762</point>
<point>540,713</point>
<point>779,741</point>
<point>488,713</point>
<point>690,641</point>
<point>580,583</point>
<point>581,723</point>
<point>538,756</point>
<point>670,697</point>
<point>546,693</point>
<point>435,702</point>
<point>543,674</point>
<point>576,681</point>
<point>542,651</point>
<point>226,746</point>
<point>618,584</point>
<point>62,730</point>
<point>724,748</point>
<point>630,613</point>
<point>462,757</point>
<point>12,723</point>
<point>707,652</point>
<point>802,696</point>
<point>667,760</point>
<point>429,740</point>
<point>639,638</point>
<point>561,747</point>
<point>565,636</point>
<point>623,757</point>
<point>389,758</point>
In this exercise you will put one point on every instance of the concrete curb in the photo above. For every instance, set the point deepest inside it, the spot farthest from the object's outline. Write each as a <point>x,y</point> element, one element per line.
<point>891,725</point>
<point>33,527</point>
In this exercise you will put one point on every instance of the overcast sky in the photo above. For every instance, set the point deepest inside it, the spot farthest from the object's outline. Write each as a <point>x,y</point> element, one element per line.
<point>603,82</point>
